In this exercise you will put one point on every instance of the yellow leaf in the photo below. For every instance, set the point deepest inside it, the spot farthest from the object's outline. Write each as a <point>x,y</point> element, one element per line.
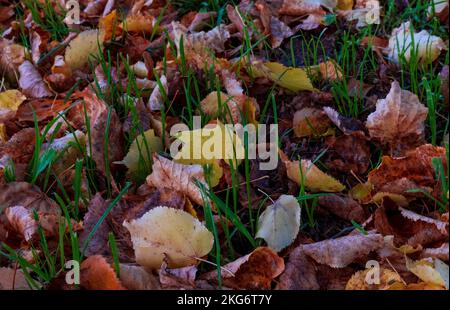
<point>138,23</point>
<point>430,271</point>
<point>345,4</point>
<point>359,280</point>
<point>279,224</point>
<point>164,231</point>
<point>138,158</point>
<point>10,101</point>
<point>310,176</point>
<point>293,79</point>
<point>86,44</point>
<point>397,198</point>
<point>2,133</point>
<point>361,191</point>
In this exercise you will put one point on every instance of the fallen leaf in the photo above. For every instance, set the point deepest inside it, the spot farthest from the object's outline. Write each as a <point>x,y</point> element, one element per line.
<point>398,120</point>
<point>344,207</point>
<point>158,95</point>
<point>279,224</point>
<point>404,43</point>
<point>386,278</point>
<point>10,101</point>
<point>139,157</point>
<point>310,176</point>
<point>348,153</point>
<point>137,278</point>
<point>441,252</point>
<point>19,148</point>
<point>254,271</point>
<point>167,231</point>
<point>179,278</point>
<point>341,252</point>
<point>81,49</point>
<point>22,221</point>
<point>11,279</point>
<point>97,274</point>
<point>432,271</point>
<point>31,82</point>
<point>293,79</point>
<point>310,121</point>
<point>179,177</point>
<point>11,57</point>
<point>439,8</point>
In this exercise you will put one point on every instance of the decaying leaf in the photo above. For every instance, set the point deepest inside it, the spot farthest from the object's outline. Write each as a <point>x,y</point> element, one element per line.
<point>83,47</point>
<point>311,8</point>
<point>306,173</point>
<point>340,252</point>
<point>344,207</point>
<point>97,274</point>
<point>158,94</point>
<point>253,271</point>
<point>179,278</point>
<point>22,220</point>
<point>11,279</point>
<point>31,82</point>
<point>139,156</point>
<point>137,278</point>
<point>279,224</point>
<point>11,57</point>
<point>293,79</point>
<point>179,177</point>
<point>398,120</point>
<point>165,231</point>
<point>359,281</point>
<point>10,101</point>
<point>310,121</point>
<point>407,45</point>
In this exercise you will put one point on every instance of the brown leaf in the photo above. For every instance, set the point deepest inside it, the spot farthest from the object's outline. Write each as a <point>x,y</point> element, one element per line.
<point>22,221</point>
<point>137,278</point>
<point>344,207</point>
<point>11,279</point>
<point>398,120</point>
<point>168,174</point>
<point>253,271</point>
<point>348,126</point>
<point>19,147</point>
<point>31,82</point>
<point>11,57</point>
<point>310,121</point>
<point>440,252</point>
<point>348,153</point>
<point>300,273</point>
<point>341,252</point>
<point>39,39</point>
<point>97,274</point>
<point>179,278</point>
<point>416,166</point>
<point>358,280</point>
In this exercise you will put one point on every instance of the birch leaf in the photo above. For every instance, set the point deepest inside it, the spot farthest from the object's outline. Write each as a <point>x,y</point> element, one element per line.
<point>86,44</point>
<point>167,232</point>
<point>279,224</point>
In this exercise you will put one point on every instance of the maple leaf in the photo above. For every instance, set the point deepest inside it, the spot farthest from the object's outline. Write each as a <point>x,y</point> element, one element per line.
<point>179,177</point>
<point>169,232</point>
<point>398,120</point>
<point>279,224</point>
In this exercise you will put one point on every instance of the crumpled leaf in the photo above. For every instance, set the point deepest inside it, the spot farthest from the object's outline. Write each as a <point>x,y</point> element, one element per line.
<point>31,82</point>
<point>178,278</point>
<point>341,252</point>
<point>306,173</point>
<point>157,98</point>
<point>358,280</point>
<point>293,79</point>
<point>310,121</point>
<point>398,120</point>
<point>279,224</point>
<point>432,271</point>
<point>81,49</point>
<point>313,9</point>
<point>253,271</point>
<point>10,101</point>
<point>179,177</point>
<point>22,221</point>
<point>11,57</point>
<point>404,43</point>
<point>139,156</point>
<point>416,166</point>
<point>61,78</point>
<point>97,274</point>
<point>169,232</point>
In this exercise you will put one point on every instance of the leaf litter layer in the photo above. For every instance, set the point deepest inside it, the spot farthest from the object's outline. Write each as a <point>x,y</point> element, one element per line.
<point>88,173</point>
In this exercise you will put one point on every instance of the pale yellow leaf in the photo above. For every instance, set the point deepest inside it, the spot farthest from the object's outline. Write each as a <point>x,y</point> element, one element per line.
<point>10,101</point>
<point>169,232</point>
<point>81,49</point>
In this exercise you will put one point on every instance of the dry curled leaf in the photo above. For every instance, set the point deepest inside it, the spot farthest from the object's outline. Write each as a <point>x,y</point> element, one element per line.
<point>341,252</point>
<point>310,121</point>
<point>31,82</point>
<point>22,221</point>
<point>179,177</point>
<point>279,224</point>
<point>11,57</point>
<point>97,274</point>
<point>178,278</point>
<point>167,232</point>
<point>398,120</point>
<point>254,271</point>
<point>359,281</point>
